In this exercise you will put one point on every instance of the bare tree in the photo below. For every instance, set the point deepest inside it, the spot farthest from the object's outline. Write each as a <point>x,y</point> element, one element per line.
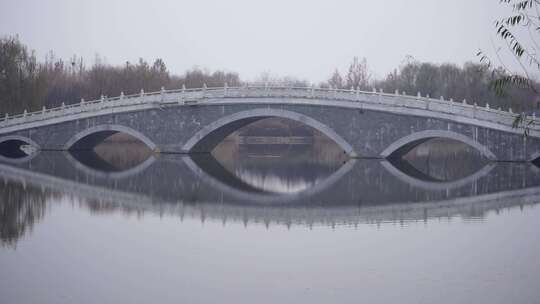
<point>358,75</point>
<point>336,81</point>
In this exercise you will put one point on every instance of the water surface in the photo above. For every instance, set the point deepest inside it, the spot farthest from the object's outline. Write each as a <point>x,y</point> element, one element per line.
<point>291,223</point>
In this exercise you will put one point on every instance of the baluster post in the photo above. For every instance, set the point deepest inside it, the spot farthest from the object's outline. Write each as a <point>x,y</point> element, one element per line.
<point>182,94</point>
<point>141,96</point>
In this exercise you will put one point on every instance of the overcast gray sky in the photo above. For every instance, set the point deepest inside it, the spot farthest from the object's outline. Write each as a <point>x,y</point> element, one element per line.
<point>301,38</point>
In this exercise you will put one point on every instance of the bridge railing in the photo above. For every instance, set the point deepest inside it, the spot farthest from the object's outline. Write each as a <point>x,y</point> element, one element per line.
<point>344,97</point>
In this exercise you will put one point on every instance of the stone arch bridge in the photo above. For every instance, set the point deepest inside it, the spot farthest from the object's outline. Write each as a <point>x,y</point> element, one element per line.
<point>363,124</point>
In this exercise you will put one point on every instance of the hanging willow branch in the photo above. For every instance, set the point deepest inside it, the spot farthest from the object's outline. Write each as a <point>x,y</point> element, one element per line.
<point>526,14</point>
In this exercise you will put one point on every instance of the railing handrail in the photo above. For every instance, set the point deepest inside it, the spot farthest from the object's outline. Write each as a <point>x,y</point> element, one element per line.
<point>267,91</point>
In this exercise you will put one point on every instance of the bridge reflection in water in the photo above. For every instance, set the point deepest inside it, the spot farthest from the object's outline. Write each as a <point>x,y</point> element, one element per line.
<point>261,188</point>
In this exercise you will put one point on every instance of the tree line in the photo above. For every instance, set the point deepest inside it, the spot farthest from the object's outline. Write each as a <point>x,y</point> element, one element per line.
<point>472,82</point>
<point>26,83</point>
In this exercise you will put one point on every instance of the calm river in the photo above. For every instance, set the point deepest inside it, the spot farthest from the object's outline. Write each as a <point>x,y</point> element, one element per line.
<point>279,223</point>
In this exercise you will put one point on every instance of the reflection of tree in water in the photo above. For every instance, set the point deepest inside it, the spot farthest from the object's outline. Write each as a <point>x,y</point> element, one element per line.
<point>101,207</point>
<point>20,208</point>
<point>23,206</point>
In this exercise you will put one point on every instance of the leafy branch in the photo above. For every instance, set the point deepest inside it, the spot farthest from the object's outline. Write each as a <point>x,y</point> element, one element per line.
<point>525,15</point>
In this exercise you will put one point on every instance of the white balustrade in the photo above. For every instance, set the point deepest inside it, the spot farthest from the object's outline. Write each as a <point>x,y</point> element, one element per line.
<point>375,97</point>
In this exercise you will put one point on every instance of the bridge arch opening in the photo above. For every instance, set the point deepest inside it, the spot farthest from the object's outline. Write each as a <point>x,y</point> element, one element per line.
<point>90,138</point>
<point>209,137</point>
<point>110,150</point>
<point>441,160</point>
<point>401,147</point>
<point>17,147</point>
